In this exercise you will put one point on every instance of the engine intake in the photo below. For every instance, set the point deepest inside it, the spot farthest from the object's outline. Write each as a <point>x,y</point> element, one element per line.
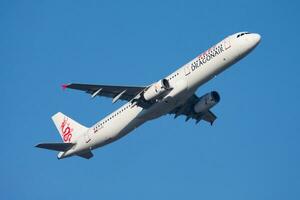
<point>206,102</point>
<point>156,90</point>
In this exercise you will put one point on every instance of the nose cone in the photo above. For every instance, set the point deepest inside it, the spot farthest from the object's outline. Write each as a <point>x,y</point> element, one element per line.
<point>255,38</point>
<point>249,42</point>
<point>245,42</point>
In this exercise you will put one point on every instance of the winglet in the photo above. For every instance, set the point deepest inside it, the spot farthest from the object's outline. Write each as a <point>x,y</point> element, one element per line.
<point>64,86</point>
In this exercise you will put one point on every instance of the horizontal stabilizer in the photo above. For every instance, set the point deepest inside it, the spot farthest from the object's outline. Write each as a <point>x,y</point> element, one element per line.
<point>86,155</point>
<point>56,146</point>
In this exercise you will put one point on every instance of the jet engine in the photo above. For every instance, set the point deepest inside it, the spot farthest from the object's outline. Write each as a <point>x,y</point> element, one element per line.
<point>156,90</point>
<point>206,102</point>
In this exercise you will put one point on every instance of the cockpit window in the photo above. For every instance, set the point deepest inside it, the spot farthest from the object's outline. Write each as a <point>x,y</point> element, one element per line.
<point>239,35</point>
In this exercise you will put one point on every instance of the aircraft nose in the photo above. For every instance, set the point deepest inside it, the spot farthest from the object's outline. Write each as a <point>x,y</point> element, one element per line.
<point>256,38</point>
<point>248,42</point>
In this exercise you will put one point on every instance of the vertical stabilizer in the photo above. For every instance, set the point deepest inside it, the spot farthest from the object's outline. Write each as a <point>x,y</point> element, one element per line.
<point>69,129</point>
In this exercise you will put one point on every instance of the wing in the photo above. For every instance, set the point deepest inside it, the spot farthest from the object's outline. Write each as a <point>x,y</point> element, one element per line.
<point>187,109</point>
<point>115,92</point>
<point>209,117</point>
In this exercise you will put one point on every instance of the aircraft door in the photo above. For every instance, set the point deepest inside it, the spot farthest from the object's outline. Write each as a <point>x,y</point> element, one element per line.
<point>226,43</point>
<point>187,70</point>
<point>87,137</point>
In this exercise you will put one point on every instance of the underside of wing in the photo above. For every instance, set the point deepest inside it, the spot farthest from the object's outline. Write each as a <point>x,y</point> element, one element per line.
<point>209,117</point>
<point>187,109</point>
<point>111,91</point>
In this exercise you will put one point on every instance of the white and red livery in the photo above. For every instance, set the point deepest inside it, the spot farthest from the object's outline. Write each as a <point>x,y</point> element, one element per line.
<point>174,94</point>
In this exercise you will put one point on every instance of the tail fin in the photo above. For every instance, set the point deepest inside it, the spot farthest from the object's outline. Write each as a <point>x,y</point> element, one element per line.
<point>69,129</point>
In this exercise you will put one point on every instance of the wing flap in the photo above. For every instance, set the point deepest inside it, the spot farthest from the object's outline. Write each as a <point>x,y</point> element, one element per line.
<point>111,91</point>
<point>209,117</point>
<point>187,109</point>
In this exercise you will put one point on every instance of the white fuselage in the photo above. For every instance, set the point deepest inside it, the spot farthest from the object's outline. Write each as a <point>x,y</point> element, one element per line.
<point>184,82</point>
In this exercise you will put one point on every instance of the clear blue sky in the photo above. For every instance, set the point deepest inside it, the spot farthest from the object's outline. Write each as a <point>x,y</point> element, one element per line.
<point>252,151</point>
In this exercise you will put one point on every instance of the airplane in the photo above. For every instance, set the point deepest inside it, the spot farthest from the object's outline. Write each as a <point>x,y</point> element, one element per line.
<point>174,94</point>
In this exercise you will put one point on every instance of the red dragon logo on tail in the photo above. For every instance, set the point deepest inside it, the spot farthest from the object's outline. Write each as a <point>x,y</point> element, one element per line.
<point>66,130</point>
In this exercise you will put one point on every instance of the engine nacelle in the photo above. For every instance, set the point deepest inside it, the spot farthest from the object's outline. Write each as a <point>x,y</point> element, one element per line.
<point>156,90</point>
<point>206,102</point>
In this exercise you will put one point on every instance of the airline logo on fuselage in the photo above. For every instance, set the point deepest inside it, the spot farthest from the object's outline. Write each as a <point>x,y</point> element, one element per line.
<point>66,130</point>
<point>207,56</point>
